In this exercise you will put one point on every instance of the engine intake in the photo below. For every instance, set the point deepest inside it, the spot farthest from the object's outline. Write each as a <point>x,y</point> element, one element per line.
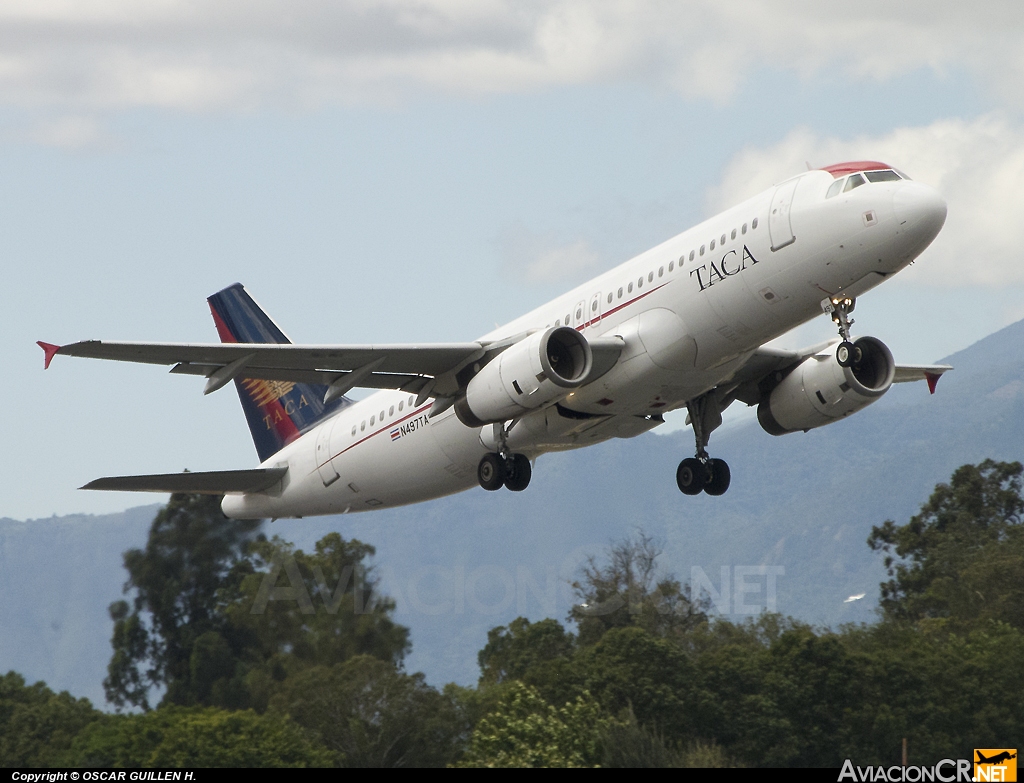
<point>818,391</point>
<point>537,370</point>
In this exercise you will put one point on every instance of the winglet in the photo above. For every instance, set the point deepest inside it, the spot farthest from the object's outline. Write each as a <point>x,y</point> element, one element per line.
<point>933,380</point>
<point>50,350</point>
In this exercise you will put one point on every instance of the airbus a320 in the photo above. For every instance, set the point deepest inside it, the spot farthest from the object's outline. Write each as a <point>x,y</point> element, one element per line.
<point>682,325</point>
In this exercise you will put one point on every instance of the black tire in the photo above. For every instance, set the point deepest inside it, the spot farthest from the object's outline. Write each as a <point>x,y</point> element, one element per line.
<point>845,353</point>
<point>720,476</point>
<point>691,476</point>
<point>857,357</point>
<point>491,472</point>
<point>518,478</point>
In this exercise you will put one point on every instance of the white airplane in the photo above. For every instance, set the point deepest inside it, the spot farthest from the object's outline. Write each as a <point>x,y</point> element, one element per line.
<point>683,324</point>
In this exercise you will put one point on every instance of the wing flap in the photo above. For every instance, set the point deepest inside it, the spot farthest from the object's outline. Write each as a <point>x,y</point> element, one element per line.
<point>215,482</point>
<point>409,383</point>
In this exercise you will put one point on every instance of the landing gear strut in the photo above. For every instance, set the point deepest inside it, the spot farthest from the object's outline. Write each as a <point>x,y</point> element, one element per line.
<point>847,354</point>
<point>703,473</point>
<point>503,468</point>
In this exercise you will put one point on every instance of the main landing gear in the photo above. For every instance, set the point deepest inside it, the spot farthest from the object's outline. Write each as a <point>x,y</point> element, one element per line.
<point>703,473</point>
<point>847,354</point>
<point>504,469</point>
<point>513,471</point>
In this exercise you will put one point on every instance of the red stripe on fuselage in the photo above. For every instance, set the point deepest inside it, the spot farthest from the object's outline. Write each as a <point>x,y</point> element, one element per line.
<point>389,427</point>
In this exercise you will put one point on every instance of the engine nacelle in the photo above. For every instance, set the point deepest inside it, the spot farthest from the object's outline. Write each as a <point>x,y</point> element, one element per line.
<point>818,391</point>
<point>537,370</point>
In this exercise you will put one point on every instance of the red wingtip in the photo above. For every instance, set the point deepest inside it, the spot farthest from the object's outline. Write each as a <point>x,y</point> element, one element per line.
<point>50,350</point>
<point>933,380</point>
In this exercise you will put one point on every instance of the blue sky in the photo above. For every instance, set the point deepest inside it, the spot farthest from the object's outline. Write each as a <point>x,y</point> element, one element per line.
<point>408,170</point>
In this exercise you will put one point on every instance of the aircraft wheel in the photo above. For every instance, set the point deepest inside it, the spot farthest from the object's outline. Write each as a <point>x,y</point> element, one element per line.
<point>491,472</point>
<point>845,353</point>
<point>690,476</point>
<point>720,476</point>
<point>518,478</point>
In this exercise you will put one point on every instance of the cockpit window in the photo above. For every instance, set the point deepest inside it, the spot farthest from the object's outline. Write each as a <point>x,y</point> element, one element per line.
<point>854,181</point>
<point>834,188</point>
<point>882,176</point>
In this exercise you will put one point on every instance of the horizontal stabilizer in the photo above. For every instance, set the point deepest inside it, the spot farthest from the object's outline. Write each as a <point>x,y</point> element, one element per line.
<point>214,482</point>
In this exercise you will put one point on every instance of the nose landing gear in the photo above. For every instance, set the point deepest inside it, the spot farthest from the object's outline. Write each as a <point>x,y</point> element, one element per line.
<point>702,473</point>
<point>847,354</point>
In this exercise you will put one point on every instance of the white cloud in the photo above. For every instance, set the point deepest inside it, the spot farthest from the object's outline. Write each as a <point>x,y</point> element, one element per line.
<point>978,167</point>
<point>539,259</point>
<point>193,55</point>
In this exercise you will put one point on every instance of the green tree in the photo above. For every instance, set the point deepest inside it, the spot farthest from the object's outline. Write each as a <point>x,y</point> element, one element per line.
<point>513,650</point>
<point>192,551</point>
<point>196,737</point>
<point>526,731</point>
<point>371,715</point>
<point>959,560</point>
<point>220,615</point>
<point>36,724</point>
<point>628,590</point>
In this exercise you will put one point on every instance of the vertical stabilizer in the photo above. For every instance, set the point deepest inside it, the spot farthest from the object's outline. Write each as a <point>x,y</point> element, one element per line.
<point>277,411</point>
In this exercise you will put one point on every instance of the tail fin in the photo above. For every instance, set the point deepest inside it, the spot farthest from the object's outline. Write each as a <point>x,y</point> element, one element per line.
<point>277,411</point>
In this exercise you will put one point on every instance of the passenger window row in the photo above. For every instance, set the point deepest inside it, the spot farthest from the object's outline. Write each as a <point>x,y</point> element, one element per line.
<point>391,412</point>
<point>618,294</point>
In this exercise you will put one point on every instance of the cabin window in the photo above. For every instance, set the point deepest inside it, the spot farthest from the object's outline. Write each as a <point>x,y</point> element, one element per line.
<point>672,265</point>
<point>701,252</point>
<point>362,425</point>
<point>733,234</point>
<point>411,400</point>
<point>834,188</point>
<point>609,297</point>
<point>723,240</point>
<point>382,416</point>
<point>691,255</point>
<point>579,313</point>
<point>593,306</point>
<point>620,293</point>
<point>753,223</point>
<point>712,244</point>
<point>640,283</point>
<point>391,411</point>
<point>743,229</point>
<point>373,420</point>
<point>353,430</point>
<point>661,271</point>
<point>401,405</point>
<point>566,319</point>
<point>630,288</point>
<point>650,277</point>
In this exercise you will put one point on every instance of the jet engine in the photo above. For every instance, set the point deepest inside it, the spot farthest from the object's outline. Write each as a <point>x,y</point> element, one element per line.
<point>537,370</point>
<point>818,391</point>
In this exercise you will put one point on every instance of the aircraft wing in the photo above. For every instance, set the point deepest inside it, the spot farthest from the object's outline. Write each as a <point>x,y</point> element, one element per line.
<point>216,482</point>
<point>765,361</point>
<point>411,368</point>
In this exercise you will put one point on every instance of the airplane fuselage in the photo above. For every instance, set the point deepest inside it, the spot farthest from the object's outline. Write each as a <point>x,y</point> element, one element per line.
<point>689,312</point>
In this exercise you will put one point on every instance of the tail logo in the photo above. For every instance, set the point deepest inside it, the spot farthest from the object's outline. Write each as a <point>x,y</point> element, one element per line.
<point>266,392</point>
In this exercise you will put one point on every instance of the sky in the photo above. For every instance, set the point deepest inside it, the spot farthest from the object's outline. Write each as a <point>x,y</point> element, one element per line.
<point>421,170</point>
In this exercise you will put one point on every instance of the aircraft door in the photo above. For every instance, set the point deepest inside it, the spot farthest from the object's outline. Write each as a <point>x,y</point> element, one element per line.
<point>324,463</point>
<point>780,229</point>
<point>595,309</point>
<point>579,315</point>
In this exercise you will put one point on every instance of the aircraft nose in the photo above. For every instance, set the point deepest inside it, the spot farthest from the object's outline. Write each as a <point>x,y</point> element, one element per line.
<point>920,213</point>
